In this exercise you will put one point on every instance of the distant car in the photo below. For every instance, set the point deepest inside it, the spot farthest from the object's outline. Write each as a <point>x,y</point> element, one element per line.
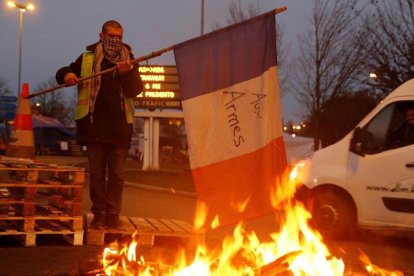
<point>365,180</point>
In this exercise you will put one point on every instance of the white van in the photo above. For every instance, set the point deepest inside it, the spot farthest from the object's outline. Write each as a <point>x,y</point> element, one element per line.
<point>367,178</point>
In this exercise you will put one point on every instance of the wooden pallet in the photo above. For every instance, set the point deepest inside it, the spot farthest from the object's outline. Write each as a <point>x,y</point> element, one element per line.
<point>97,236</point>
<point>38,199</point>
<point>38,223</point>
<point>26,171</point>
<point>145,230</point>
<point>28,239</point>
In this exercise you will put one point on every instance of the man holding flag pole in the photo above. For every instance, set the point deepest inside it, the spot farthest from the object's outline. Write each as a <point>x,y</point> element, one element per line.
<point>104,117</point>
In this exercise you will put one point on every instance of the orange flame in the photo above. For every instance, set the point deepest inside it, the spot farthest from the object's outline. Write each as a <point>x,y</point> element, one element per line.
<point>295,248</point>
<point>376,270</point>
<point>200,219</point>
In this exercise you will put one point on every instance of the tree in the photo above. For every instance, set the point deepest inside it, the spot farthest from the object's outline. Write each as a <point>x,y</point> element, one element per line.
<point>4,90</point>
<point>55,104</point>
<point>328,65</point>
<point>341,114</point>
<point>239,13</point>
<point>389,47</point>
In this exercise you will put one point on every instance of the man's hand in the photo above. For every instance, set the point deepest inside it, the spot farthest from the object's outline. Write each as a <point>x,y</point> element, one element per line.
<point>70,79</point>
<point>124,67</point>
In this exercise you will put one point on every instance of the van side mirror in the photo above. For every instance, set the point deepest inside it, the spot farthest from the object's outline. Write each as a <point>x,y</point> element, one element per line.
<point>357,144</point>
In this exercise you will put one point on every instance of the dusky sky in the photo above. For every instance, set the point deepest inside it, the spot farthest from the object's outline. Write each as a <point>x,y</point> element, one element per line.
<point>57,31</point>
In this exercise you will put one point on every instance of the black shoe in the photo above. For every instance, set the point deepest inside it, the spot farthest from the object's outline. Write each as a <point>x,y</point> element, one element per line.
<point>113,222</point>
<point>98,221</point>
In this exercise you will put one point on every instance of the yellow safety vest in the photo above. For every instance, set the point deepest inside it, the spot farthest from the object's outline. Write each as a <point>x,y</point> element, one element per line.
<point>82,109</point>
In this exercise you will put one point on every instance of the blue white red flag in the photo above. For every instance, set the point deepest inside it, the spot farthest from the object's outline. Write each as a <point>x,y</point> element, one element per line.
<point>231,103</point>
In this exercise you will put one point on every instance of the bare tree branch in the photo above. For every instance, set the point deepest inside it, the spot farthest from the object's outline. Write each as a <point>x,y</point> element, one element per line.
<point>56,104</point>
<point>239,12</point>
<point>328,65</point>
<point>4,90</point>
<point>389,51</point>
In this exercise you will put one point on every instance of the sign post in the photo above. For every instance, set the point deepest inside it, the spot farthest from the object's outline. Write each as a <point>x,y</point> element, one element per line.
<point>161,91</point>
<point>7,112</point>
<point>8,99</point>
<point>7,107</point>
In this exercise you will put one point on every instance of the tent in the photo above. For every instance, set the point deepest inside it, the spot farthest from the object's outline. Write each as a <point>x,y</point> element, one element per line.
<point>49,133</point>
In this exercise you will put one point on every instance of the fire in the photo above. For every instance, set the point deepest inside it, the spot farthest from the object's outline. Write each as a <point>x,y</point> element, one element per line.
<point>294,249</point>
<point>375,270</point>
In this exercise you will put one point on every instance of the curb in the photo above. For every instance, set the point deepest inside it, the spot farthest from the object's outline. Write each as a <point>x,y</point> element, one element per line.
<point>158,189</point>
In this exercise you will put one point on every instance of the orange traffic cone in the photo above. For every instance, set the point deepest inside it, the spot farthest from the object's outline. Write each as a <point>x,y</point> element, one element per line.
<point>21,142</point>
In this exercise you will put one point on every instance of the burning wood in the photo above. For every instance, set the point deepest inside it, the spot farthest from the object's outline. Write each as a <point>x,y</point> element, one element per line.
<point>91,268</point>
<point>295,250</point>
<point>279,266</point>
<point>376,270</point>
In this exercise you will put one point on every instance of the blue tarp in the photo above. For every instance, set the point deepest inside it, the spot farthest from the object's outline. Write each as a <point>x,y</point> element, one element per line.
<point>49,132</point>
<point>48,122</point>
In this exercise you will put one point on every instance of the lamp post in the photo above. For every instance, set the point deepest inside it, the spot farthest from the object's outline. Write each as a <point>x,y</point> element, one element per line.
<point>202,17</point>
<point>22,9</point>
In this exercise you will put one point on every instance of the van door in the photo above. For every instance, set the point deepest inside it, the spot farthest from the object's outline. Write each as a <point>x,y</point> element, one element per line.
<point>381,178</point>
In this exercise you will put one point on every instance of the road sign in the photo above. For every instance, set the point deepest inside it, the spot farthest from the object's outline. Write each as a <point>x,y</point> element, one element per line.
<point>161,87</point>
<point>152,103</point>
<point>7,106</point>
<point>8,99</point>
<point>7,115</point>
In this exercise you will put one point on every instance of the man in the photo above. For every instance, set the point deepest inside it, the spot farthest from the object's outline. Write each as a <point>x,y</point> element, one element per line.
<point>104,115</point>
<point>404,134</point>
<point>409,126</point>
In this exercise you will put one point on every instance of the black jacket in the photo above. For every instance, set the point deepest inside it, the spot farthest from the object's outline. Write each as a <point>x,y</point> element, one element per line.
<point>109,121</point>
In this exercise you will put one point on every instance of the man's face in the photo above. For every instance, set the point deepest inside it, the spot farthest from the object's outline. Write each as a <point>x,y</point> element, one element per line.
<point>111,32</point>
<point>409,116</point>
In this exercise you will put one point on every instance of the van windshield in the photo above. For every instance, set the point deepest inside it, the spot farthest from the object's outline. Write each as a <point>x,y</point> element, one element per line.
<point>392,128</point>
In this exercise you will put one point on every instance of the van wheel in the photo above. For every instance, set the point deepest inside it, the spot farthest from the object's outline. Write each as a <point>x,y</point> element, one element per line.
<point>332,216</point>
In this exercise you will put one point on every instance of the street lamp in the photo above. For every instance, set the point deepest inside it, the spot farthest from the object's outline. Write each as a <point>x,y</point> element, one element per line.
<point>373,79</point>
<point>22,9</point>
<point>202,17</point>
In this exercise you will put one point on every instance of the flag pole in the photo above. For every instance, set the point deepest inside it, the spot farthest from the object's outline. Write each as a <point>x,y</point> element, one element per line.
<point>281,9</point>
<point>134,61</point>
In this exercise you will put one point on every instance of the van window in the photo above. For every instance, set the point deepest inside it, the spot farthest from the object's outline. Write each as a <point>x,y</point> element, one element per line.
<point>392,128</point>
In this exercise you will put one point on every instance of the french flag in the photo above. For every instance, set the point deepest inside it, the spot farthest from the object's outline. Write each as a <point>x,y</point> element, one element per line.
<point>230,97</point>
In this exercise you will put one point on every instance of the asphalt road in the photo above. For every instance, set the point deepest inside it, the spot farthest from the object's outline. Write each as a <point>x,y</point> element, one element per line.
<point>53,256</point>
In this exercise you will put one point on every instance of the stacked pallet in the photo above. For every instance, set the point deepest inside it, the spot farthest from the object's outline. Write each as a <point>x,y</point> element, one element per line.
<point>146,230</point>
<point>37,198</point>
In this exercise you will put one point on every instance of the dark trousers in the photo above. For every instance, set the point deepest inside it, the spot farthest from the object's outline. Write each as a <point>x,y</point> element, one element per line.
<point>106,196</point>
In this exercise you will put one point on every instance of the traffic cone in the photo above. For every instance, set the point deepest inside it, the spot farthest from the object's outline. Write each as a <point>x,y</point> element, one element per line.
<point>21,142</point>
